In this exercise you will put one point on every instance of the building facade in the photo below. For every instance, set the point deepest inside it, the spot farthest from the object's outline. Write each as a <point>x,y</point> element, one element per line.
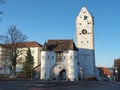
<point>59,60</point>
<point>3,60</point>
<point>77,62</point>
<point>22,48</point>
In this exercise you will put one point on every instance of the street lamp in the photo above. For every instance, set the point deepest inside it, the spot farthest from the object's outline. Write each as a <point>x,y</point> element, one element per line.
<point>81,73</point>
<point>116,73</point>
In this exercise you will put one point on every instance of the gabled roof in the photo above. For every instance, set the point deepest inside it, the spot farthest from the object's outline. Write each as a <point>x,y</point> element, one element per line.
<point>59,45</point>
<point>29,44</point>
<point>24,44</point>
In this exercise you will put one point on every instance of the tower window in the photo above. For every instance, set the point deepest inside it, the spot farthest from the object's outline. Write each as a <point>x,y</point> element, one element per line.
<point>84,11</point>
<point>80,24</point>
<point>87,41</point>
<point>85,17</point>
<point>81,41</point>
<point>89,22</point>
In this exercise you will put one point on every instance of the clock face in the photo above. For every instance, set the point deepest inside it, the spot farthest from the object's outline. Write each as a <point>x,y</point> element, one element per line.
<point>84,31</point>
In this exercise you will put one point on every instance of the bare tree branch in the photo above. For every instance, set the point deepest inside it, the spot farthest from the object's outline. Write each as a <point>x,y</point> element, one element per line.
<point>12,39</point>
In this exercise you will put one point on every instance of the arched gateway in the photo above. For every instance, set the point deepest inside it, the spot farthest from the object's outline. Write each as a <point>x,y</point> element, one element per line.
<point>58,72</point>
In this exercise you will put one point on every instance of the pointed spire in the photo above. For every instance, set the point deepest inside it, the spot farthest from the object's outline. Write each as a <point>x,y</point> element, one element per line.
<point>84,9</point>
<point>44,48</point>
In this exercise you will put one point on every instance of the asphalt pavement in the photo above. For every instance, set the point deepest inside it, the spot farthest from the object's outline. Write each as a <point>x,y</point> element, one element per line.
<point>55,85</point>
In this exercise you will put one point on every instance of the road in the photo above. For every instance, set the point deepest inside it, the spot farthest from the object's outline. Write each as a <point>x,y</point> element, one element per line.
<point>81,85</point>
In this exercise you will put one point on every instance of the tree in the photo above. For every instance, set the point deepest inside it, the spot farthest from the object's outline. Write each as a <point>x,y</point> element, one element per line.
<point>12,39</point>
<point>27,68</point>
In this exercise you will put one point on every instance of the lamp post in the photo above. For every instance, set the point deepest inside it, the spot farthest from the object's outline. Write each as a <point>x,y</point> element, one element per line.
<point>81,73</point>
<point>116,73</point>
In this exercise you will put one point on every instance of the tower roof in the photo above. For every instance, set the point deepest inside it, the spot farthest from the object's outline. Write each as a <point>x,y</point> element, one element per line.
<point>84,11</point>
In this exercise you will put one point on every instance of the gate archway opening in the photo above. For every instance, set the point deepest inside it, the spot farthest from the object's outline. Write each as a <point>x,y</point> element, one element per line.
<point>58,72</point>
<point>62,74</point>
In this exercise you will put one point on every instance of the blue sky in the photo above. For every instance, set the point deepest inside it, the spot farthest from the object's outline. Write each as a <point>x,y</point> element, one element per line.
<point>41,20</point>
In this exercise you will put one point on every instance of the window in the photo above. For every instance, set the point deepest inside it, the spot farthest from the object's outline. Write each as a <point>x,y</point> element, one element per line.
<point>42,57</point>
<point>59,56</point>
<point>75,57</point>
<point>52,57</point>
<point>85,17</point>
<point>84,11</point>
<point>89,22</point>
<point>32,51</point>
<point>81,41</point>
<point>64,57</point>
<point>48,57</point>
<point>70,57</point>
<point>59,67</point>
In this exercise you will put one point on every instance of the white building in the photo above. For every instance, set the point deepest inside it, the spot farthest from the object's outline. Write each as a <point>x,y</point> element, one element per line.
<point>22,47</point>
<point>61,59</point>
<point>3,60</point>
